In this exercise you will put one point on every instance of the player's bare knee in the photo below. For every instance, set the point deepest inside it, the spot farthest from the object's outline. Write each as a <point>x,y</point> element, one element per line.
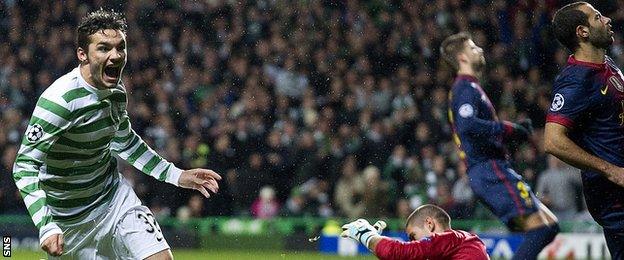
<point>162,255</point>
<point>538,220</point>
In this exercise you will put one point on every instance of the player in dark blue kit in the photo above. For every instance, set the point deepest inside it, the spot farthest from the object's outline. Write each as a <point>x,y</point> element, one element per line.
<point>480,135</point>
<point>585,124</point>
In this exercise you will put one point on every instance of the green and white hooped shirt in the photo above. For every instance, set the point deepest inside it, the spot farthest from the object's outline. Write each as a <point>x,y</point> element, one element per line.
<point>66,166</point>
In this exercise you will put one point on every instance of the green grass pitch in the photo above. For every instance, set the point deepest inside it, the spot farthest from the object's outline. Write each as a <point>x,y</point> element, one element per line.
<point>204,254</point>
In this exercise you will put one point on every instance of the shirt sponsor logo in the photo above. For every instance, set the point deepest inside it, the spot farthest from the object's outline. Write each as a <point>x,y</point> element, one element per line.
<point>557,103</point>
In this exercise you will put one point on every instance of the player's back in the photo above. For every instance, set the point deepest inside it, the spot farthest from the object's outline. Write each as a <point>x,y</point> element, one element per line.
<point>451,244</point>
<point>476,130</point>
<point>462,245</point>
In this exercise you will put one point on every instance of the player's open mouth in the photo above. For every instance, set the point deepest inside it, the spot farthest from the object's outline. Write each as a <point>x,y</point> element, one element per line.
<point>112,73</point>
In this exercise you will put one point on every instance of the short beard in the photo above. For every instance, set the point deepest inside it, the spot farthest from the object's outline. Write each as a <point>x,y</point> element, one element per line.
<point>601,41</point>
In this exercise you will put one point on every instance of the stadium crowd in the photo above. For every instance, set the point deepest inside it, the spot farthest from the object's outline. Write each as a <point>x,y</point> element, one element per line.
<point>307,108</point>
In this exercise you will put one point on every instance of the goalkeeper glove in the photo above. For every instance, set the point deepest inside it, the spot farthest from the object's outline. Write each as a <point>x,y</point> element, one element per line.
<point>380,225</point>
<point>359,230</point>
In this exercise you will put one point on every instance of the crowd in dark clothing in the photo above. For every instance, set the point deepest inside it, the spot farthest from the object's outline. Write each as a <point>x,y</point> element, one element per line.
<point>331,108</point>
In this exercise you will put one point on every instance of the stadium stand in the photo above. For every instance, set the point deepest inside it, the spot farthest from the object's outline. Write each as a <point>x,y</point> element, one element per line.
<point>316,99</point>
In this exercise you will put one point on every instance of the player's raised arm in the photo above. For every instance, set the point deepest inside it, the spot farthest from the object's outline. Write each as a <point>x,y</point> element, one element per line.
<point>49,120</point>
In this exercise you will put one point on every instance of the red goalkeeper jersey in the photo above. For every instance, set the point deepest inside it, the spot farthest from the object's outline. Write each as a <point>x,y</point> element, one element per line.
<point>452,244</point>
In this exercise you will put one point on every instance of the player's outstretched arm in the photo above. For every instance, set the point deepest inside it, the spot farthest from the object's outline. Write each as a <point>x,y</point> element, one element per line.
<point>129,146</point>
<point>388,248</point>
<point>383,247</point>
<point>200,179</point>
<point>557,143</point>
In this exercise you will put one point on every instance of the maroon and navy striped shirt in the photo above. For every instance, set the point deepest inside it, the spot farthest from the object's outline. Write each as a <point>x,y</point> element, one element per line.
<point>588,99</point>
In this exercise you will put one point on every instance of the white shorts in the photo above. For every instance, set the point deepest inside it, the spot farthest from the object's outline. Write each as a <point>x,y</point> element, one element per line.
<point>127,231</point>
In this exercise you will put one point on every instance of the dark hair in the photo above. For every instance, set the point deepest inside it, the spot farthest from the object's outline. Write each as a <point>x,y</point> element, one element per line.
<point>97,21</point>
<point>429,210</point>
<point>453,45</point>
<point>564,24</point>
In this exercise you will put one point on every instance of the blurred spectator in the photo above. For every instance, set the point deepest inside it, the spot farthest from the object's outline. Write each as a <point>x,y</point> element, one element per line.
<point>295,205</point>
<point>439,173</point>
<point>266,205</point>
<point>196,206</point>
<point>349,190</point>
<point>375,196</point>
<point>403,209</point>
<point>529,164</point>
<point>444,198</point>
<point>235,190</point>
<point>223,156</point>
<point>160,210</point>
<point>252,177</point>
<point>463,195</point>
<point>559,188</point>
<point>397,168</point>
<point>309,199</point>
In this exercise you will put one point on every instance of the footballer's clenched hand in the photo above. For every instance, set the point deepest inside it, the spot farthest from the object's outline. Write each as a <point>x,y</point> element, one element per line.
<point>200,179</point>
<point>53,245</point>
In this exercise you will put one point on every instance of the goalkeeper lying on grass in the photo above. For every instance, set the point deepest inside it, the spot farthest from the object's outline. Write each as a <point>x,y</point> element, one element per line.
<point>430,234</point>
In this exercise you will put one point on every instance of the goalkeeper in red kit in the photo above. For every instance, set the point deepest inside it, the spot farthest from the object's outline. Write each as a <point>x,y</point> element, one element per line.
<point>430,234</point>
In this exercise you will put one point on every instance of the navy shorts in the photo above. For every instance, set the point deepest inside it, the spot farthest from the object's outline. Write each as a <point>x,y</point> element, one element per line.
<point>615,243</point>
<point>605,201</point>
<point>503,191</point>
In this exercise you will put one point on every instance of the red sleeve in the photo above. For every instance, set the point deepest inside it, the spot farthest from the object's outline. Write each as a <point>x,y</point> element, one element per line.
<point>435,246</point>
<point>560,119</point>
<point>389,248</point>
